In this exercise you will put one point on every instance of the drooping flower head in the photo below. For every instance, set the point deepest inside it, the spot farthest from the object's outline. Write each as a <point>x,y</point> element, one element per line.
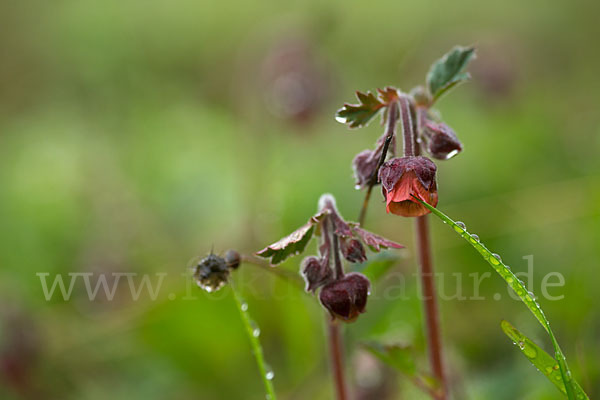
<point>405,177</point>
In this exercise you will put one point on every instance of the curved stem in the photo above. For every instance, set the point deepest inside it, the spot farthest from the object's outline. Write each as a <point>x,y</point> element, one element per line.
<point>408,131</point>
<point>337,361</point>
<point>390,131</point>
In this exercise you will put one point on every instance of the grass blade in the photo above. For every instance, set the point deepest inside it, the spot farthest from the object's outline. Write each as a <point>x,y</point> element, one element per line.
<point>519,288</point>
<point>543,361</point>
<point>267,375</point>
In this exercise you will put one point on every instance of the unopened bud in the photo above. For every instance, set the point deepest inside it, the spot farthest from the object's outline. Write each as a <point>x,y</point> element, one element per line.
<point>346,298</point>
<point>440,141</point>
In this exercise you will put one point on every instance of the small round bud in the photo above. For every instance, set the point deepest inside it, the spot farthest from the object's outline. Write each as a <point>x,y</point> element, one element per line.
<point>211,273</point>
<point>440,141</point>
<point>421,96</point>
<point>233,259</point>
<point>353,250</point>
<point>315,273</point>
<point>364,165</point>
<point>346,298</point>
<point>403,178</point>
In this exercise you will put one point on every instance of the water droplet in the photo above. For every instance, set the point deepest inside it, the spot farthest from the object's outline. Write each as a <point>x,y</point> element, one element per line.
<point>461,225</point>
<point>269,374</point>
<point>497,256</point>
<point>255,329</point>
<point>340,119</point>
<point>521,345</point>
<point>529,351</point>
<point>474,236</point>
<point>530,293</point>
<point>548,370</point>
<point>244,306</point>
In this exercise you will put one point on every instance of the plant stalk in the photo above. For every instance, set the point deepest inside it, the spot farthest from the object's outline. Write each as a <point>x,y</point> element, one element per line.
<point>427,276</point>
<point>390,132</point>
<point>337,360</point>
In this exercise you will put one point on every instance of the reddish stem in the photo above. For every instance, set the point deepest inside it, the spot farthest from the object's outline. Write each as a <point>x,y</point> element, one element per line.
<point>390,131</point>
<point>337,361</point>
<point>432,320</point>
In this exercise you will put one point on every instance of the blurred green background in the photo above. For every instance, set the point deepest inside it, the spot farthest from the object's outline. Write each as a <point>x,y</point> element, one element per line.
<point>137,135</point>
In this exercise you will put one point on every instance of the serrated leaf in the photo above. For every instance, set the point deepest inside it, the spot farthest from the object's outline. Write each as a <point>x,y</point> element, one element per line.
<point>374,241</point>
<point>543,361</point>
<point>357,115</point>
<point>290,245</point>
<point>520,289</point>
<point>388,95</point>
<point>396,356</point>
<point>448,71</point>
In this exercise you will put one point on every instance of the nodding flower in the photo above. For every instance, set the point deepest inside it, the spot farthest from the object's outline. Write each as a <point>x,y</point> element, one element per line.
<point>346,298</point>
<point>403,179</point>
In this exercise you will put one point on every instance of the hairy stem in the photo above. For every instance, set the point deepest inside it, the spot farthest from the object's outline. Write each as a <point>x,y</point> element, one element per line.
<point>339,269</point>
<point>390,131</point>
<point>408,130</point>
<point>430,306</point>
<point>337,361</point>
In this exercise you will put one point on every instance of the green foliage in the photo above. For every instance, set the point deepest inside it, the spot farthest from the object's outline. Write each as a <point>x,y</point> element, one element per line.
<point>448,71</point>
<point>357,115</point>
<point>519,287</point>
<point>377,265</point>
<point>397,356</point>
<point>543,361</point>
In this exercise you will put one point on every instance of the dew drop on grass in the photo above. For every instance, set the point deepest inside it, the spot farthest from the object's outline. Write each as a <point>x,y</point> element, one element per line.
<point>244,306</point>
<point>269,374</point>
<point>255,329</point>
<point>474,236</point>
<point>497,256</point>
<point>461,225</point>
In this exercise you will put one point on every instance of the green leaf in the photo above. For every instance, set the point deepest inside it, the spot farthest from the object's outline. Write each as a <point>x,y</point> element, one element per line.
<point>291,245</point>
<point>543,361</point>
<point>357,115</point>
<point>448,71</point>
<point>399,357</point>
<point>519,287</point>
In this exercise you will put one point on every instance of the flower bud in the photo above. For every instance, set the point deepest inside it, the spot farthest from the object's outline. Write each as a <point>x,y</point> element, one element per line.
<point>353,250</point>
<point>211,273</point>
<point>364,166</point>
<point>403,178</point>
<point>346,298</point>
<point>315,273</point>
<point>232,259</point>
<point>440,140</point>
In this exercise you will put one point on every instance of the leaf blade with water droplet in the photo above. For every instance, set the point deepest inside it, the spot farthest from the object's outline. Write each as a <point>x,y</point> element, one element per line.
<point>526,297</point>
<point>543,361</point>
